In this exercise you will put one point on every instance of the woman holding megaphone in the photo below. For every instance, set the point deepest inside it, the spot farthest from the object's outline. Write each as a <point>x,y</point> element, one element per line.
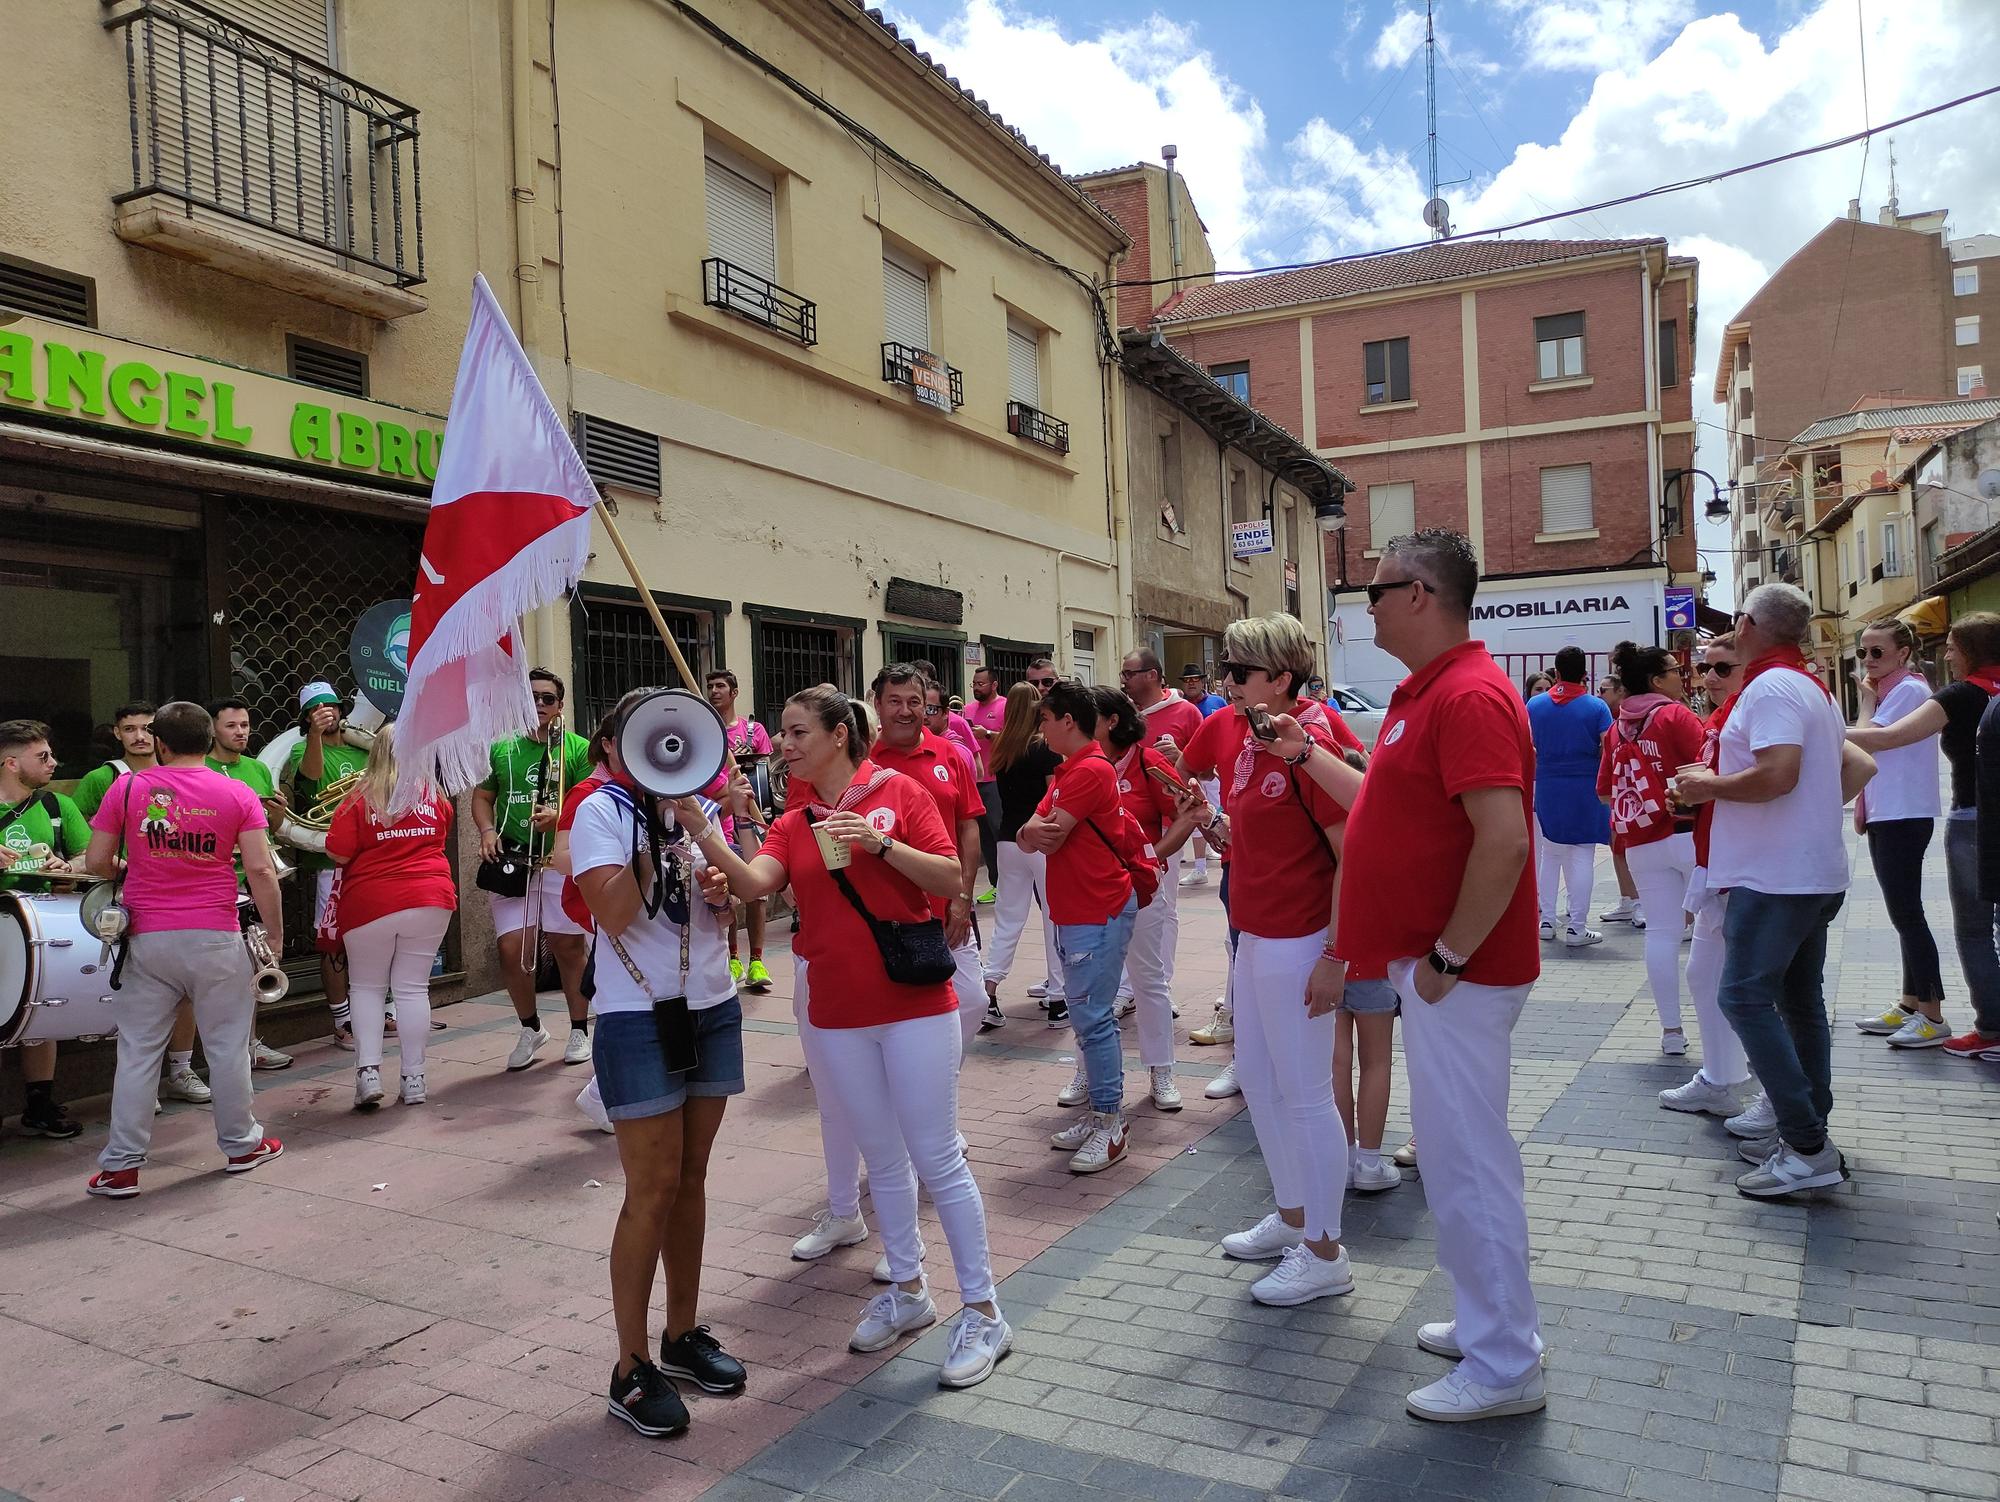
<point>861,847</point>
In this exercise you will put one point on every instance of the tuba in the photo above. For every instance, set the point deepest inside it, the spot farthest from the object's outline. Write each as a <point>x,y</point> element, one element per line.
<point>305,828</point>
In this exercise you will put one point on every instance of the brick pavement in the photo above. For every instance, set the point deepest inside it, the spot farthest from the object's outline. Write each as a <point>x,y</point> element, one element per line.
<point>302,1333</point>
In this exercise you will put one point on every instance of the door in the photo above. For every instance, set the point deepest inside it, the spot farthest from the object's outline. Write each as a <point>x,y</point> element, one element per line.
<point>1083,654</point>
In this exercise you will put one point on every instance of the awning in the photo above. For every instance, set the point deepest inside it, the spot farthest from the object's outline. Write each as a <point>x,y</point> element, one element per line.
<point>1930,616</point>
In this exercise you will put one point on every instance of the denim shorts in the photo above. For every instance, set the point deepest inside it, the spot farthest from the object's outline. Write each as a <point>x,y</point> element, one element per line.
<point>632,1073</point>
<point>1370,998</point>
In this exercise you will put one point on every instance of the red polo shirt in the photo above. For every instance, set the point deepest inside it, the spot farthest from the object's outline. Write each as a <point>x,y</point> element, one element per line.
<point>1454,726</point>
<point>572,896</point>
<point>1148,802</point>
<point>1175,717</point>
<point>935,764</point>
<point>1087,881</point>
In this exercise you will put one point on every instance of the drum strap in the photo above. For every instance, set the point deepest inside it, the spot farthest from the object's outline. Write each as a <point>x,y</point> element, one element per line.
<point>44,800</point>
<point>124,946</point>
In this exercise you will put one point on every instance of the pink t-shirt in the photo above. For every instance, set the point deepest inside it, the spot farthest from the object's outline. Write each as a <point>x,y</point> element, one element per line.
<point>748,735</point>
<point>989,716</point>
<point>180,851</point>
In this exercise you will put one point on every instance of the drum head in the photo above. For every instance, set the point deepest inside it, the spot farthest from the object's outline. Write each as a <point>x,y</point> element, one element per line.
<point>13,964</point>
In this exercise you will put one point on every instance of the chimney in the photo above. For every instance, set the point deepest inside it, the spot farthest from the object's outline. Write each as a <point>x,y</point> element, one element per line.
<point>1168,154</point>
<point>1853,208</point>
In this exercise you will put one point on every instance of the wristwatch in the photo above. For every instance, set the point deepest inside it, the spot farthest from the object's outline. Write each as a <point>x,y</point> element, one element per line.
<point>1445,961</point>
<point>882,851</point>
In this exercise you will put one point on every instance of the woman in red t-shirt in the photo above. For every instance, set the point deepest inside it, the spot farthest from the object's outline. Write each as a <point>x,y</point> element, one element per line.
<point>396,901</point>
<point>884,1055</point>
<point>1654,735</point>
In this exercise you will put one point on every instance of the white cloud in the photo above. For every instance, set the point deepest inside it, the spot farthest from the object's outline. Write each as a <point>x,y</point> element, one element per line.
<point>1594,36</point>
<point>1399,40</point>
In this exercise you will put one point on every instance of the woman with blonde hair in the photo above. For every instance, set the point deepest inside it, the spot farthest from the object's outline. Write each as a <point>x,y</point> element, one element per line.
<point>395,899</point>
<point>1022,765</point>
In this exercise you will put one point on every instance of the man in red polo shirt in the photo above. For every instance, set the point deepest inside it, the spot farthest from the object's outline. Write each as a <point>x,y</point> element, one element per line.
<point>903,745</point>
<point>1170,724</point>
<point>1437,889</point>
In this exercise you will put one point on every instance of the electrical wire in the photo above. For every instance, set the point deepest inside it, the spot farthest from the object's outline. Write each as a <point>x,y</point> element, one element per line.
<point>1657,191</point>
<point>1847,262</point>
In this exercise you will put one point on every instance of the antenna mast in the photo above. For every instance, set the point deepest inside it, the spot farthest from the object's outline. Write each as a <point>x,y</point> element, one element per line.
<point>1437,213</point>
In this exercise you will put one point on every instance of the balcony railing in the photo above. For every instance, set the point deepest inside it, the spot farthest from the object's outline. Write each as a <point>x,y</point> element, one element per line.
<point>227,122</point>
<point>907,365</point>
<point>1024,421</point>
<point>728,286</point>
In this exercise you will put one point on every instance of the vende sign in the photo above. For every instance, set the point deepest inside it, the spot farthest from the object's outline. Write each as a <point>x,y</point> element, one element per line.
<point>1247,539</point>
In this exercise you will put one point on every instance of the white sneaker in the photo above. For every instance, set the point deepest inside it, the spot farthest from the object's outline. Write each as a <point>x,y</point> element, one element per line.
<point>1638,919</point>
<point>1621,913</point>
<point>977,1344</point>
<point>880,1271</point>
<point>1125,1006</point>
<point>1372,1177</point>
<point>1077,1091</point>
<point>591,1103</point>
<point>184,1084</point>
<point>1039,991</point>
<point>1194,876</point>
<point>263,1056</point>
<point>414,1093</point>
<point>1787,1171</point>
<point>1302,1276</point>
<point>367,1088</point>
<point>526,1046</point>
<point>1104,1146</point>
<point>1758,1119</point>
<point>1581,938</point>
<point>1548,931</point>
<point>890,1316</point>
<point>577,1050</point>
<point>1073,1136</point>
<point>1166,1094</point>
<point>1920,1032</point>
<point>1440,1339</point>
<point>829,1231</point>
<point>1699,1095</point>
<point>1455,1398</point>
<point>1224,1084</point>
<point>1269,1238</point>
<point>1218,1029</point>
<point>1673,1042</point>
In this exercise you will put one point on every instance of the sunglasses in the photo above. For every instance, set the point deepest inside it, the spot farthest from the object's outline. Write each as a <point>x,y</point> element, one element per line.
<point>1377,591</point>
<point>1876,654</point>
<point>1239,673</point>
<point>546,699</point>
<point>1130,673</point>
<point>1043,682</point>
<point>1720,669</point>
<point>933,709</point>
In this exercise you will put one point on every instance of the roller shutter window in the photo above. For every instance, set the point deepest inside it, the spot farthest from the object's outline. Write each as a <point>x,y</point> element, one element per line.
<point>303,25</point>
<point>1392,512</point>
<point>1566,504</point>
<point>906,300</point>
<point>1024,365</point>
<point>1559,347</point>
<point>742,214</point>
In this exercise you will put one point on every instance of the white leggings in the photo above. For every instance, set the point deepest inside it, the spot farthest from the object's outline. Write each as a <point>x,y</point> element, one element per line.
<point>1722,1058</point>
<point>837,1145</point>
<point>896,1088</point>
<point>1149,968</point>
<point>1571,865</point>
<point>1660,871</point>
<point>1023,881</point>
<point>393,956</point>
<point>1284,1062</point>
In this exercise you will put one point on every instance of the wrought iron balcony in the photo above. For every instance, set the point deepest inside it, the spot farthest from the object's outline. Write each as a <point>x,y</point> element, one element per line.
<point>227,123</point>
<point>1024,421</point>
<point>728,286</point>
<point>907,365</point>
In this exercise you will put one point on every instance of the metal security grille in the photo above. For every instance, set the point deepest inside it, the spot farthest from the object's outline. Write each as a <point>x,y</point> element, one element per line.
<point>946,656</point>
<point>327,365</point>
<point>620,650</point>
<point>792,656</point>
<point>1010,664</point>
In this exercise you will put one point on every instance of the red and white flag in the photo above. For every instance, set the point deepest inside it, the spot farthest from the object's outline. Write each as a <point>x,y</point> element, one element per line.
<point>509,531</point>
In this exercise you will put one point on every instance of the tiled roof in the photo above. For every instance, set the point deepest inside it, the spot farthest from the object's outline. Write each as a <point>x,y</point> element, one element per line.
<point>1932,432</point>
<point>1084,177</point>
<point>1445,261</point>
<point>1954,414</point>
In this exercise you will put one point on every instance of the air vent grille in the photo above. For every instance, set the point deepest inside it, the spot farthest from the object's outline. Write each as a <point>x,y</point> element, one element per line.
<point>326,365</point>
<point>46,292</point>
<point>617,455</point>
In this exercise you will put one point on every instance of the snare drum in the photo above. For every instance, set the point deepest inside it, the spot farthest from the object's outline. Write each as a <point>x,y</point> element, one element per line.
<point>55,978</point>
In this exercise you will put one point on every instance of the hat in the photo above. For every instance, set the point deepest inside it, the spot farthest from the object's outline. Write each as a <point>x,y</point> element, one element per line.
<point>317,693</point>
<point>1193,670</point>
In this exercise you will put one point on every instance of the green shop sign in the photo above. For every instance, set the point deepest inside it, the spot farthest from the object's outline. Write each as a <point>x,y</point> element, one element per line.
<point>76,374</point>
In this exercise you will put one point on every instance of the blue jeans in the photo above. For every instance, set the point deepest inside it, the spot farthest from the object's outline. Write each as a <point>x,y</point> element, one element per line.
<point>1093,956</point>
<point>1772,969</point>
<point>1972,924</point>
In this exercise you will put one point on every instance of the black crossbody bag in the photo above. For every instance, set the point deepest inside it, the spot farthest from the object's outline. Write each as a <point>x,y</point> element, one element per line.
<point>913,954</point>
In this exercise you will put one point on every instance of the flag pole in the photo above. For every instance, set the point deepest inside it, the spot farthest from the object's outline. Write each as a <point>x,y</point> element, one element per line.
<point>604,515</point>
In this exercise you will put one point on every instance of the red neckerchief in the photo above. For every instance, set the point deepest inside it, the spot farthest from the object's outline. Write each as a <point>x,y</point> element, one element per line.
<point>867,778</point>
<point>1986,678</point>
<point>1789,658</point>
<point>1889,683</point>
<point>1563,693</point>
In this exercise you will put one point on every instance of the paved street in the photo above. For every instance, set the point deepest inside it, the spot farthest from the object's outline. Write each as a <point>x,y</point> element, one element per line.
<point>413,1305</point>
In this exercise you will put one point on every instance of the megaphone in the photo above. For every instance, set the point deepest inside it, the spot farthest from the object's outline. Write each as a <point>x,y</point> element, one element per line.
<point>672,743</point>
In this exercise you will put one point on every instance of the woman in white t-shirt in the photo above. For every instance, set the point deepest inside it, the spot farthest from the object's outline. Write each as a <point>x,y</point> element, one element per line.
<point>669,1055</point>
<point>1898,813</point>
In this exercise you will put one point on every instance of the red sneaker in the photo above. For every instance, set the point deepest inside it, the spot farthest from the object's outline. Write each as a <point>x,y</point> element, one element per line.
<point>270,1147</point>
<point>121,1185</point>
<point>1972,1045</point>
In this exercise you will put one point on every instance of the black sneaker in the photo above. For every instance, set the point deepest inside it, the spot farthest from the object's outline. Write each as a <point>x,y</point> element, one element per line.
<point>50,1120</point>
<point>648,1402</point>
<point>994,1016</point>
<point>699,1357</point>
<point>1058,1013</point>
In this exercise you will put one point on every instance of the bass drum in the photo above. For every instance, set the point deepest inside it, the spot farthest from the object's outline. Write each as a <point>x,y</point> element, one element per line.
<point>55,977</point>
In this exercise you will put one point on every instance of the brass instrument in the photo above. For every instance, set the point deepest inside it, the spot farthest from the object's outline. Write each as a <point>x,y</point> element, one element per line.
<point>548,796</point>
<point>270,981</point>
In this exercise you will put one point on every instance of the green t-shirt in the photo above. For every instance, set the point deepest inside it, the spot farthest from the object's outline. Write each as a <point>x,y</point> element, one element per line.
<point>337,760</point>
<point>247,770</point>
<point>89,794</point>
<point>517,768</point>
<point>36,831</point>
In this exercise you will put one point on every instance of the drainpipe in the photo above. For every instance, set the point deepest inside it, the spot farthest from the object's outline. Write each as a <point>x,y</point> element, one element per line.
<point>526,20</point>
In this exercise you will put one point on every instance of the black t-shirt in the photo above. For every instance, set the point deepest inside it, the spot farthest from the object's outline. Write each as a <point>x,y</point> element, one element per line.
<point>1963,704</point>
<point>1022,786</point>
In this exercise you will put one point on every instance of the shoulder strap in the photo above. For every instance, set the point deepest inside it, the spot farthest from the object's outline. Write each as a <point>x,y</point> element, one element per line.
<point>1292,776</point>
<point>846,887</point>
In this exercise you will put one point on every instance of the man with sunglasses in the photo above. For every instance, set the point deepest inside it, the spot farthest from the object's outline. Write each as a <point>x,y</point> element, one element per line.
<point>1042,674</point>
<point>509,812</point>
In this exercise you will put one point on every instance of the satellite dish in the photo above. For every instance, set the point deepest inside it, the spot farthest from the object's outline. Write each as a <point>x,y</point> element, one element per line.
<point>1437,214</point>
<point>1988,484</point>
<point>672,743</point>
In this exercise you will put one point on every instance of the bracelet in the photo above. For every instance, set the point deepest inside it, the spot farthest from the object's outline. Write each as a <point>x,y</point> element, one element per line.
<point>1302,758</point>
<point>708,828</point>
<point>1327,953</point>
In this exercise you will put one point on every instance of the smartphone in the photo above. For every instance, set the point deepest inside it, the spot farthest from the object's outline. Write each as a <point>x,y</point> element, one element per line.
<point>1260,723</point>
<point>675,1024</point>
<point>1165,777</point>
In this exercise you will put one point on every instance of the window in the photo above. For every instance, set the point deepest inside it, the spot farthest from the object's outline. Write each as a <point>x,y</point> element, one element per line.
<point>1892,551</point>
<point>1566,505</point>
<point>618,647</point>
<point>790,655</point>
<point>1670,353</point>
<point>1024,364</point>
<point>1172,517</point>
<point>1386,366</point>
<point>1966,330</point>
<point>1559,347</point>
<point>1933,544</point>
<point>1964,280</point>
<point>1970,379</point>
<point>1239,496</point>
<point>1860,554</point>
<point>742,213</point>
<point>1392,512</point>
<point>1233,378</point>
<point>906,300</point>
<point>1745,407</point>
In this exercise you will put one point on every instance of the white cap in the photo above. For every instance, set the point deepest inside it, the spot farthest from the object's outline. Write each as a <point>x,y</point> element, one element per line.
<point>317,692</point>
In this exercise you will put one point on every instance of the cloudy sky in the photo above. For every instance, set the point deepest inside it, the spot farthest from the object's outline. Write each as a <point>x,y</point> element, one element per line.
<point>1301,124</point>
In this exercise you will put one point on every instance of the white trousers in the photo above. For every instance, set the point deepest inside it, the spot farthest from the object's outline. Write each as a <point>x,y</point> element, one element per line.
<point>896,1087</point>
<point>542,905</point>
<point>1023,881</point>
<point>837,1144</point>
<point>1460,1055</point>
<point>1722,1058</point>
<point>1660,871</point>
<point>1571,865</point>
<point>1149,968</point>
<point>1284,1062</point>
<point>392,957</point>
<point>971,989</point>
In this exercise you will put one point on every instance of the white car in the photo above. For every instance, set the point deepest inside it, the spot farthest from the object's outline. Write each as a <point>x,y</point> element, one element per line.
<point>1364,715</point>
